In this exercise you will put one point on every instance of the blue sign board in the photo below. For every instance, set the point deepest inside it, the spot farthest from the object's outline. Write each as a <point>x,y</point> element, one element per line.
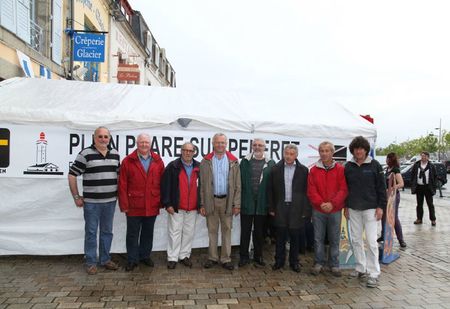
<point>88,47</point>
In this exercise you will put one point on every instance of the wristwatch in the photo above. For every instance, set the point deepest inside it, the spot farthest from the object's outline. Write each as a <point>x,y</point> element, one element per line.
<point>76,197</point>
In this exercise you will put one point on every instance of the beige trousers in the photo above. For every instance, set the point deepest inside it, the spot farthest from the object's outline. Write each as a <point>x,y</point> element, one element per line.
<point>212,221</point>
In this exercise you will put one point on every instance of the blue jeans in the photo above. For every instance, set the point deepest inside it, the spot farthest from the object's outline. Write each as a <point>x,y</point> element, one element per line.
<point>139,237</point>
<point>98,215</point>
<point>330,225</point>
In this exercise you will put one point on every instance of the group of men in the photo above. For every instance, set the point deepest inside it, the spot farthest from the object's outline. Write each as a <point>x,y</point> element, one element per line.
<point>219,187</point>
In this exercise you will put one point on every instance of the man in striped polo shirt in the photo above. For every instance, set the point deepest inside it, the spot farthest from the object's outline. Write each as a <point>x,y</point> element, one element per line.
<point>99,165</point>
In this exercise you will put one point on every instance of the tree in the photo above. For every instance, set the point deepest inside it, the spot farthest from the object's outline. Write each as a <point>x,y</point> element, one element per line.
<point>413,147</point>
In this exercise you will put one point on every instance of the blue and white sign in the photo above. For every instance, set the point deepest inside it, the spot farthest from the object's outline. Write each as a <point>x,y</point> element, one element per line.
<point>88,47</point>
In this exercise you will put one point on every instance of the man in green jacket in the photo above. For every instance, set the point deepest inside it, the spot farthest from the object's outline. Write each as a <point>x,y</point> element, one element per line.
<point>255,169</point>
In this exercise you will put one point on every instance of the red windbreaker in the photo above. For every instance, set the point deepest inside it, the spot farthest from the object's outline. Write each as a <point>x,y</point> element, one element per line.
<point>327,186</point>
<point>139,192</point>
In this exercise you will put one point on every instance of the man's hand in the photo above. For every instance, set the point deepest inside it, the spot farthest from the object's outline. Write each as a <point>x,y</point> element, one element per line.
<point>79,202</point>
<point>236,211</point>
<point>170,210</point>
<point>378,213</point>
<point>327,207</point>
<point>272,213</point>
<point>203,211</point>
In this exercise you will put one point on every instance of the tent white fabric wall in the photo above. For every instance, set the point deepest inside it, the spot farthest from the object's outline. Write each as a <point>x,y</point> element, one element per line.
<point>37,214</point>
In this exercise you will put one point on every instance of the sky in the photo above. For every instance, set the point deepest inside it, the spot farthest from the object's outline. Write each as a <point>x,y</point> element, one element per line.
<point>389,59</point>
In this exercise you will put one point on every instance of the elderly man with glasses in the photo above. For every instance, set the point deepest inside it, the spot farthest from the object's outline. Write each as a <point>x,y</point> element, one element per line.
<point>99,165</point>
<point>179,195</point>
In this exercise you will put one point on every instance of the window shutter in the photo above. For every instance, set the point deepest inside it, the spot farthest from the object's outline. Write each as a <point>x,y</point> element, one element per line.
<point>157,57</point>
<point>8,14</point>
<point>57,31</point>
<point>23,20</point>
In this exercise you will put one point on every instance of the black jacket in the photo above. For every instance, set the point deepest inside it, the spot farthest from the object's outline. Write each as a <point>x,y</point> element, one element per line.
<point>288,216</point>
<point>170,186</point>
<point>366,185</point>
<point>431,177</point>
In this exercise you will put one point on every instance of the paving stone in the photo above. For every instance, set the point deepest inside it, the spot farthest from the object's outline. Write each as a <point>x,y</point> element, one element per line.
<point>45,306</point>
<point>419,279</point>
<point>69,305</point>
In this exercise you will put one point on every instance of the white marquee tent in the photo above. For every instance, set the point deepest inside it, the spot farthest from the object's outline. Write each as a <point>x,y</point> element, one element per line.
<point>45,123</point>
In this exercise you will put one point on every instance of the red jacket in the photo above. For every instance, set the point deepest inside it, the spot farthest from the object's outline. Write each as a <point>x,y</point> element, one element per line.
<point>327,186</point>
<point>139,193</point>
<point>176,192</point>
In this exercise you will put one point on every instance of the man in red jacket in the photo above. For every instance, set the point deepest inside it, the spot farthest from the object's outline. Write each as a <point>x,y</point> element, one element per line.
<point>139,198</point>
<point>327,191</point>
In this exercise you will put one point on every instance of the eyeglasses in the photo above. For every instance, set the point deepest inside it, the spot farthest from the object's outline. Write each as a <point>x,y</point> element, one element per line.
<point>259,145</point>
<point>187,150</point>
<point>103,136</point>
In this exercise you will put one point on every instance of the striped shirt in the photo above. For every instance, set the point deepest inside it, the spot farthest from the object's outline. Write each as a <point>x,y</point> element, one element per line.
<point>99,174</point>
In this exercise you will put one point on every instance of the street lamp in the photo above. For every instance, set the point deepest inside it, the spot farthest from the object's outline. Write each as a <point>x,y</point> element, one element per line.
<point>439,140</point>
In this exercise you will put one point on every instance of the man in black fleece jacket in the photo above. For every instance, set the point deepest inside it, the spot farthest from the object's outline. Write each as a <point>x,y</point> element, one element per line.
<point>365,204</point>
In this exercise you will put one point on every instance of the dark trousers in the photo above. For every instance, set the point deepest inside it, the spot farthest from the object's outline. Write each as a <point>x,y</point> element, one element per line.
<point>306,236</point>
<point>421,192</point>
<point>258,223</point>
<point>283,233</point>
<point>269,227</point>
<point>398,225</point>
<point>139,237</point>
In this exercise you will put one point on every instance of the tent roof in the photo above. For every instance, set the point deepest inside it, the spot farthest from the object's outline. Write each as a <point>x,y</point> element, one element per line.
<point>86,105</point>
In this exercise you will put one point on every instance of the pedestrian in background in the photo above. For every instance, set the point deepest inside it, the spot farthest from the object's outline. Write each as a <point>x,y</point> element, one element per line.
<point>423,185</point>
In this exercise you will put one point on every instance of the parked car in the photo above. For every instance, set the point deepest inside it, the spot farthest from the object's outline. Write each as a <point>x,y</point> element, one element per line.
<point>447,164</point>
<point>441,172</point>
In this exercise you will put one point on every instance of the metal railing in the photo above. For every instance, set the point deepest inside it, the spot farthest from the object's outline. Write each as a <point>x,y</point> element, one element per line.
<point>37,37</point>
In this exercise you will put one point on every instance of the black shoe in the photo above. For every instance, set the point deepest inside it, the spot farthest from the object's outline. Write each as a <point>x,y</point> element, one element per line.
<point>380,239</point>
<point>228,265</point>
<point>418,221</point>
<point>243,262</point>
<point>402,243</point>
<point>295,268</point>
<point>148,262</point>
<point>433,223</point>
<point>171,265</point>
<point>259,262</point>
<point>210,263</point>
<point>130,266</point>
<point>186,262</point>
<point>277,266</point>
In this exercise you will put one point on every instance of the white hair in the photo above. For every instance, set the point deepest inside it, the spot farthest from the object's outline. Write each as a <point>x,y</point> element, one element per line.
<point>143,136</point>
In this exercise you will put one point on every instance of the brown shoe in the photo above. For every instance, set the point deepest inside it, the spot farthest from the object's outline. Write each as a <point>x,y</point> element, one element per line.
<point>418,221</point>
<point>91,270</point>
<point>186,262</point>
<point>110,265</point>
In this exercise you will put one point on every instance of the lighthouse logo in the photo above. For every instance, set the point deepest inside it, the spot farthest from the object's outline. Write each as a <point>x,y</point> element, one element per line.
<point>42,166</point>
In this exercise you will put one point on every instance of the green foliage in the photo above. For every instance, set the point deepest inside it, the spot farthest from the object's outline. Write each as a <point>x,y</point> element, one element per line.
<point>413,147</point>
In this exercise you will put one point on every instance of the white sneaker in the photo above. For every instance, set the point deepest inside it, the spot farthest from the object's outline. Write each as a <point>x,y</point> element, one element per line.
<point>372,282</point>
<point>316,269</point>
<point>357,274</point>
<point>335,271</point>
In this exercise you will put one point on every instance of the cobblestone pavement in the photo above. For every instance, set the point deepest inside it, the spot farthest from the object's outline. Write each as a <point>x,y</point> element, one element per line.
<point>419,279</point>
